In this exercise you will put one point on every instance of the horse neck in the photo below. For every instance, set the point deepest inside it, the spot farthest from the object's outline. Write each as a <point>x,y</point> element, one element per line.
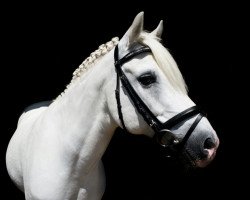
<point>82,116</point>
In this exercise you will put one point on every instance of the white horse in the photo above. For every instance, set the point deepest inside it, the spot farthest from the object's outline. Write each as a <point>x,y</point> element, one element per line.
<point>56,150</point>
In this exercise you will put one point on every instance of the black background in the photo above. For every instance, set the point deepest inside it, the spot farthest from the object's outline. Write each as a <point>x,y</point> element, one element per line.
<point>42,44</point>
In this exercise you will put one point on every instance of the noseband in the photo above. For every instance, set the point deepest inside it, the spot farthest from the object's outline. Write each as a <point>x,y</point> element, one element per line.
<point>163,135</point>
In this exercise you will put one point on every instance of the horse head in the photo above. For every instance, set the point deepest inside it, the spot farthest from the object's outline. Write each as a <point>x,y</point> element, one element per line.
<point>152,98</point>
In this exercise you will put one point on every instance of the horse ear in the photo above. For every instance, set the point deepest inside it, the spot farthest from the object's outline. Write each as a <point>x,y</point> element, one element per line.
<point>159,29</point>
<point>133,32</point>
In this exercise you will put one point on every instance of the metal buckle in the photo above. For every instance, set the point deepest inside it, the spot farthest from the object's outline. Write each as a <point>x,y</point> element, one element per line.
<point>167,138</point>
<point>167,141</point>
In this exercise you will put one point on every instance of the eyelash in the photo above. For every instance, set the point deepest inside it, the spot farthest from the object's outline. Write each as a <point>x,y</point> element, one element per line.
<point>147,79</point>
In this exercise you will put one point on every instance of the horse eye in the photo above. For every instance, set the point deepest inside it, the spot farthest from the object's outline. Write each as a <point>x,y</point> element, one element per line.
<point>147,79</point>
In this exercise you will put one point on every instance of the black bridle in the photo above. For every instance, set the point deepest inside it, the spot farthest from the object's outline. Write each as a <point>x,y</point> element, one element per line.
<point>163,136</point>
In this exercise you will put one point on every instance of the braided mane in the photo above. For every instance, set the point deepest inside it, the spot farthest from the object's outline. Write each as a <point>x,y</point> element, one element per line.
<point>160,53</point>
<point>89,61</point>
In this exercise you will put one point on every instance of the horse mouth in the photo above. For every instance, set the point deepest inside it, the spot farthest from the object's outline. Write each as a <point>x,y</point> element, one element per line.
<point>194,161</point>
<point>190,160</point>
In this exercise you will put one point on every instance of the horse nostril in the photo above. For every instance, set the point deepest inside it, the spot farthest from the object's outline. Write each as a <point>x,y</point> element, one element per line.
<point>209,143</point>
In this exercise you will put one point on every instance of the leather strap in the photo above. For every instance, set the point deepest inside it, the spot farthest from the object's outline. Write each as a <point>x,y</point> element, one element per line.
<point>191,129</point>
<point>119,106</point>
<point>129,56</point>
<point>147,115</point>
<point>182,116</point>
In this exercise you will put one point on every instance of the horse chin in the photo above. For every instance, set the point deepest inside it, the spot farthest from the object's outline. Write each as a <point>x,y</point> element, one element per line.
<point>191,160</point>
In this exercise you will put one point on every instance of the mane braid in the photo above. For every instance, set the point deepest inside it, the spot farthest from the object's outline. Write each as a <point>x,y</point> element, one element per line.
<point>89,61</point>
<point>160,53</point>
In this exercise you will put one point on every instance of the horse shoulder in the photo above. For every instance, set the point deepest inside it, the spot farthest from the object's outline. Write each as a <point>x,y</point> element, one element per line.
<point>16,147</point>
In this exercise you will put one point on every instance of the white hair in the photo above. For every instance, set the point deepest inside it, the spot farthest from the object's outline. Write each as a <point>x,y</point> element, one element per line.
<point>90,61</point>
<point>162,57</point>
<point>164,60</point>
